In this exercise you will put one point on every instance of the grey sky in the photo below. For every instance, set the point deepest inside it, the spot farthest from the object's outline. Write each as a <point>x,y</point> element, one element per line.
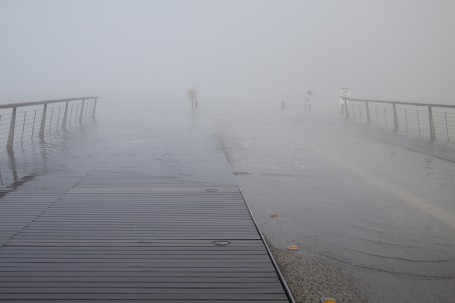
<point>392,49</point>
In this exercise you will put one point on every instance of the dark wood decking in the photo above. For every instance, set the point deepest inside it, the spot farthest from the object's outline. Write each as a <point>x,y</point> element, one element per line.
<point>104,236</point>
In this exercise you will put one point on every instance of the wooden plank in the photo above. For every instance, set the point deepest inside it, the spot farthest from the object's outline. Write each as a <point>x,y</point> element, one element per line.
<point>143,275</point>
<point>213,297</point>
<point>138,300</point>
<point>137,280</point>
<point>110,236</point>
<point>138,287</point>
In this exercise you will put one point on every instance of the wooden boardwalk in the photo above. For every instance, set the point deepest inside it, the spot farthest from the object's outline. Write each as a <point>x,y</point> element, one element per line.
<point>105,236</point>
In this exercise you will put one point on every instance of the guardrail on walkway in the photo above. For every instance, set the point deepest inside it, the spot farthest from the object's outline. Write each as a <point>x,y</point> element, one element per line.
<point>434,121</point>
<point>21,121</point>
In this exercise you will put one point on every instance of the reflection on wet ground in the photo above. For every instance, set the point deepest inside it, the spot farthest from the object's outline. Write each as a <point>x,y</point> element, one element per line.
<point>144,139</point>
<point>377,207</point>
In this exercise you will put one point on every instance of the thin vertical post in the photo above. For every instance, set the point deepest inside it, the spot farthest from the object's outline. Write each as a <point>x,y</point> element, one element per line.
<point>368,112</point>
<point>33,127</point>
<point>43,123</point>
<point>406,116</point>
<point>447,127</point>
<point>50,124</point>
<point>75,115</point>
<point>81,115</point>
<point>23,126</point>
<point>418,120</point>
<point>360,110</point>
<point>430,117</point>
<point>346,108</point>
<point>86,112</point>
<point>71,114</point>
<point>385,117</point>
<point>58,118</point>
<point>89,111</point>
<point>94,109</point>
<point>65,116</point>
<point>9,145</point>
<point>395,117</point>
<point>377,120</point>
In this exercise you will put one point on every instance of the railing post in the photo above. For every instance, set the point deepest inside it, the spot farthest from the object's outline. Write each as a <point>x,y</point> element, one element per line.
<point>9,145</point>
<point>50,124</point>
<point>65,116</point>
<point>430,116</point>
<point>377,119</point>
<point>89,111</point>
<point>406,115</point>
<point>71,114</point>
<point>360,112</point>
<point>395,117</point>
<point>43,122</point>
<point>94,109</point>
<point>23,126</point>
<point>34,119</point>
<point>418,120</point>
<point>58,118</point>
<point>82,111</point>
<point>368,112</point>
<point>75,115</point>
<point>385,118</point>
<point>346,107</point>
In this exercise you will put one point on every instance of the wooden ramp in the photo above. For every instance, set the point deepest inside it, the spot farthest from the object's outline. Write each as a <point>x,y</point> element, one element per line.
<point>107,236</point>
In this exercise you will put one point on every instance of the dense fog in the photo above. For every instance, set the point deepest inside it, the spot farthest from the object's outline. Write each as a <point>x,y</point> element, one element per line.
<point>243,50</point>
<point>366,192</point>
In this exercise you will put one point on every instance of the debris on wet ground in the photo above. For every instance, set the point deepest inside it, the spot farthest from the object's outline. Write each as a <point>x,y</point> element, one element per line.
<point>293,247</point>
<point>311,278</point>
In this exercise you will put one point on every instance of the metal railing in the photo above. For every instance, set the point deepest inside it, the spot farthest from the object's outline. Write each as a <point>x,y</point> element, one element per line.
<point>433,121</point>
<point>27,120</point>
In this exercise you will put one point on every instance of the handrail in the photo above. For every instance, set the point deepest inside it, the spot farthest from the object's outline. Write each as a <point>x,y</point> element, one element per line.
<point>23,104</point>
<point>443,127</point>
<point>402,103</point>
<point>85,112</point>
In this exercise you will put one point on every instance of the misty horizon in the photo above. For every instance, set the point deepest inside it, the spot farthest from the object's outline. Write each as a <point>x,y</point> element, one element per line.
<point>219,122</point>
<point>392,50</point>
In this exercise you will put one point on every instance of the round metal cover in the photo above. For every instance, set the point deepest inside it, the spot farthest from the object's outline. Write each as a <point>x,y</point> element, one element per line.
<point>221,243</point>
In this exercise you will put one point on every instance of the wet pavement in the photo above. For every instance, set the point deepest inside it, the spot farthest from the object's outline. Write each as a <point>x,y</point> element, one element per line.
<point>373,213</point>
<point>374,207</point>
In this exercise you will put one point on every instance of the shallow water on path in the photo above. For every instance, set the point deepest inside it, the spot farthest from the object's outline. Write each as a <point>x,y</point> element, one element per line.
<point>380,210</point>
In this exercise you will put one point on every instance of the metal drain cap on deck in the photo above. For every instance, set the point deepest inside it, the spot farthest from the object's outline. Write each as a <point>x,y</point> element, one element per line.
<point>221,243</point>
